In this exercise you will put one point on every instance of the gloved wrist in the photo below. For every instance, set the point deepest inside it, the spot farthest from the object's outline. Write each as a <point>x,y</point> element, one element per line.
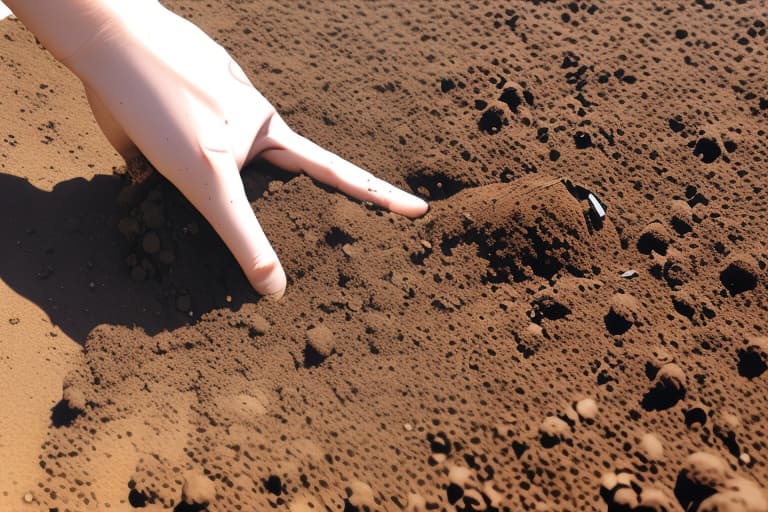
<point>64,27</point>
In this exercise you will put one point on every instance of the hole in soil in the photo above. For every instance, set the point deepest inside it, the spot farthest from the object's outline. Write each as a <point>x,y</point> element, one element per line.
<point>582,140</point>
<point>491,121</point>
<point>349,507</point>
<point>707,149</point>
<point>690,494</point>
<point>737,279</point>
<point>549,441</point>
<point>683,308</point>
<point>438,185</point>
<point>273,485</point>
<point>186,507</point>
<point>750,364</point>
<point>312,358</point>
<point>507,267</point>
<point>137,499</point>
<point>550,310</point>
<point>729,440</point>
<point>663,395</point>
<point>63,415</point>
<point>454,493</point>
<point>681,227</point>
<point>650,242</point>
<point>337,236</point>
<point>695,415</point>
<point>616,324</point>
<point>511,98</point>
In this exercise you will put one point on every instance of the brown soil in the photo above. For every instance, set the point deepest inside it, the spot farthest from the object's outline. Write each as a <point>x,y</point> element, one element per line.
<point>512,350</point>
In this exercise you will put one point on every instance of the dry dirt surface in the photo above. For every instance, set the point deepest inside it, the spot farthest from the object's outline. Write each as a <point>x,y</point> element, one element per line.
<point>511,350</point>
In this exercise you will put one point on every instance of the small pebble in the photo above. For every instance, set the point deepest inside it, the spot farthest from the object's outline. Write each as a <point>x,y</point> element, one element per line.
<point>625,478</point>
<point>731,420</point>
<point>661,356</point>
<point>571,414</point>
<point>415,503</point>
<point>625,306</point>
<point>28,497</point>
<point>626,498</point>
<point>438,458</point>
<point>153,215</point>
<point>128,227</point>
<point>198,489</point>
<point>535,329</point>
<point>673,375</point>
<point>321,339</point>
<point>609,480</point>
<point>151,243</point>
<point>354,304</point>
<point>587,408</point>
<point>553,426</point>
<point>259,324</point>
<point>651,446</point>
<point>362,496</point>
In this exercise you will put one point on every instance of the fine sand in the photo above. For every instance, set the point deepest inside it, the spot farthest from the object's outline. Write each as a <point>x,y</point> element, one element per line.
<point>512,350</point>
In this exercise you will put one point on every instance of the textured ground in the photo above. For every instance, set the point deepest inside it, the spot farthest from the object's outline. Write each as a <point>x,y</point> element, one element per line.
<point>509,351</point>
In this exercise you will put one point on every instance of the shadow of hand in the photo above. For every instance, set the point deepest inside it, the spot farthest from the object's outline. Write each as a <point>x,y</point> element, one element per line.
<point>62,251</point>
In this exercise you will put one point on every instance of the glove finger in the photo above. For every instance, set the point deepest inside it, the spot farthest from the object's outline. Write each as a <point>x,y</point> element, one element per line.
<point>291,151</point>
<point>220,197</point>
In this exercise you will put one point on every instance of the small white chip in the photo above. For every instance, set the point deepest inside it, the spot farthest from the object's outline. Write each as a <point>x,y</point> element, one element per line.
<point>596,206</point>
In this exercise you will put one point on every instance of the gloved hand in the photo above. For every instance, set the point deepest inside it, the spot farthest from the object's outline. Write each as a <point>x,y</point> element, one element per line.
<point>160,86</point>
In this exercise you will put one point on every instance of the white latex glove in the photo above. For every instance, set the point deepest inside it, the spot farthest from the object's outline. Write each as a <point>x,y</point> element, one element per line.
<point>159,85</point>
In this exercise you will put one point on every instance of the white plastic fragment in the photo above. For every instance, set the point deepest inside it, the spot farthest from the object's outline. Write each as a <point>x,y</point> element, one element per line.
<point>629,274</point>
<point>596,206</point>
